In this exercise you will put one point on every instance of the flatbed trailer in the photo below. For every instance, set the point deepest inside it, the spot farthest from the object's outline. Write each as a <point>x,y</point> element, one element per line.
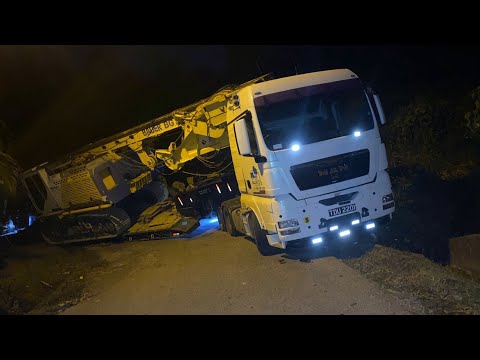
<point>160,221</point>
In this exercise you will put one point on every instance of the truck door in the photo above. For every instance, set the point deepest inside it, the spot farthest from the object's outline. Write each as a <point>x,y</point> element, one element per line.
<point>249,161</point>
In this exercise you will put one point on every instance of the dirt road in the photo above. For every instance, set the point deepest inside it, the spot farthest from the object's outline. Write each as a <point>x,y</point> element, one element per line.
<point>214,273</point>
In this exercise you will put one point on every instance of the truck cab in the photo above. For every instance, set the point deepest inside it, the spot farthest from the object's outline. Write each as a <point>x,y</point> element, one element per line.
<point>309,160</point>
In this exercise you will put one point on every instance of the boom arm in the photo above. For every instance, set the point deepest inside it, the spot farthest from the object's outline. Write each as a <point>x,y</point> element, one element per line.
<point>203,124</point>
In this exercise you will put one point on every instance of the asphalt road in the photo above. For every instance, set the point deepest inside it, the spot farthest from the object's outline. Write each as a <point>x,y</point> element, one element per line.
<point>211,272</point>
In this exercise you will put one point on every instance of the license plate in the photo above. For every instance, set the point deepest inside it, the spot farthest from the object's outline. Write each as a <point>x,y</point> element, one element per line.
<point>342,210</point>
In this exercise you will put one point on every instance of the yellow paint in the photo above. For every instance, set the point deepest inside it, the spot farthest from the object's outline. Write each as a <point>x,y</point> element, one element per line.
<point>108,179</point>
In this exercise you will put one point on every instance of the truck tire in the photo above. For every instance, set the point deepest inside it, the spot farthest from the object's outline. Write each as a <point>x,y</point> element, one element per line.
<point>260,237</point>
<point>229,225</point>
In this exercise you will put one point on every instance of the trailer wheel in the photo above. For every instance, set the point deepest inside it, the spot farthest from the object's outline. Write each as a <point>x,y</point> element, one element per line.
<point>229,225</point>
<point>260,238</point>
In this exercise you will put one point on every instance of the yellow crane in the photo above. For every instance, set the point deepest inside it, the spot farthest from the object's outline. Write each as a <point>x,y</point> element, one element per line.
<point>102,189</point>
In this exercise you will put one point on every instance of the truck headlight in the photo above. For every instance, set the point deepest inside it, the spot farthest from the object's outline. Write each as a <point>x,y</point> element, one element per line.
<point>387,198</point>
<point>287,223</point>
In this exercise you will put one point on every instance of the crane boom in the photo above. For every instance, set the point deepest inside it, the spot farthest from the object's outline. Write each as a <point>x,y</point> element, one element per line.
<point>203,124</point>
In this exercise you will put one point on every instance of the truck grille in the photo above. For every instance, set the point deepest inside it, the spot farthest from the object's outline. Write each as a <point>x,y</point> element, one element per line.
<point>331,170</point>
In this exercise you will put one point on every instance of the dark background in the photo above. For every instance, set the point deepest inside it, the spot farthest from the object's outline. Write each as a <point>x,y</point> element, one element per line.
<point>57,98</point>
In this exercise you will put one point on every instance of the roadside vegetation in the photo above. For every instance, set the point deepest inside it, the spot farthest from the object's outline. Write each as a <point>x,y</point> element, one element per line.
<point>433,149</point>
<point>433,289</point>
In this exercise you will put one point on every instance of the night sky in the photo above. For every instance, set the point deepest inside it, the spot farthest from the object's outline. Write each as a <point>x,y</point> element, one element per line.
<point>58,98</point>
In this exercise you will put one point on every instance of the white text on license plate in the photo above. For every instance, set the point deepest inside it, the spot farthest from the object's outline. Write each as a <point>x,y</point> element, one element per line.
<point>342,210</point>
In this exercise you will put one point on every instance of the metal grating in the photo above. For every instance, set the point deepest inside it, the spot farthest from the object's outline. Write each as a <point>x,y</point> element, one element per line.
<point>78,189</point>
<point>331,170</point>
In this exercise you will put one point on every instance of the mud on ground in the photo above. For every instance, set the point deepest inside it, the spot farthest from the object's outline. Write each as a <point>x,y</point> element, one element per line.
<point>37,278</point>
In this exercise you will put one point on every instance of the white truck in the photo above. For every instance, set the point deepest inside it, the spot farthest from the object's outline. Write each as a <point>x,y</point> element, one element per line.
<point>307,157</point>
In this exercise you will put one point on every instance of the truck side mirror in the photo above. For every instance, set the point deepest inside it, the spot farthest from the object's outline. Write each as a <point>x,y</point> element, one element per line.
<point>378,104</point>
<point>243,140</point>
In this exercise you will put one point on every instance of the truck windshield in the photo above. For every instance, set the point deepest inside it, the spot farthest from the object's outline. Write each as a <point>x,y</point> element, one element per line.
<point>314,113</point>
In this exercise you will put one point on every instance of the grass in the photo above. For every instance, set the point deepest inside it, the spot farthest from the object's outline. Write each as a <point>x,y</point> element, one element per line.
<point>436,288</point>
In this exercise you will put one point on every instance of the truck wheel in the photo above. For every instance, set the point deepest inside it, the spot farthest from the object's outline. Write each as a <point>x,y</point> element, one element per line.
<point>260,238</point>
<point>229,226</point>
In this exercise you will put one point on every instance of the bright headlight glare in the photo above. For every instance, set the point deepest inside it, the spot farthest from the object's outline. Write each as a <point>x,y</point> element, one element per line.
<point>317,240</point>
<point>287,223</point>
<point>344,233</point>
<point>370,226</point>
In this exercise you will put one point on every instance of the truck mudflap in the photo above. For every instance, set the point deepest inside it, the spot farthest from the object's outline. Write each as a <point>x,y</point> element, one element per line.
<point>161,221</point>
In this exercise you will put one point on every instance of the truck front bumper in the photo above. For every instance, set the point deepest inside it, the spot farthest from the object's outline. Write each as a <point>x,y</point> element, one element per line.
<point>315,219</point>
